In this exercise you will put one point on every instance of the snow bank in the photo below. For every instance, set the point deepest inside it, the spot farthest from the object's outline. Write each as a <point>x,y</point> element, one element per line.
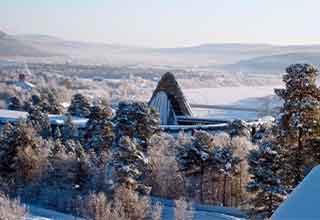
<point>304,202</point>
<point>200,212</point>
<point>225,212</point>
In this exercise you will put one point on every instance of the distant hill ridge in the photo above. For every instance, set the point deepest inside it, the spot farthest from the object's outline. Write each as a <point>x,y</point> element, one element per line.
<point>229,57</point>
<point>12,47</point>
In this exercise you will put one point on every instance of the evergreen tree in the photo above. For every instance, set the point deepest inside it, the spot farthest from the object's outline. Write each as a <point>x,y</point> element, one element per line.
<point>130,164</point>
<point>35,100</point>
<point>240,128</point>
<point>54,106</point>
<point>299,122</point>
<point>68,167</point>
<point>21,153</point>
<point>226,163</point>
<point>14,103</point>
<point>46,101</point>
<point>55,148</point>
<point>266,180</point>
<point>80,106</point>
<point>204,159</point>
<point>99,132</point>
<point>195,156</point>
<point>135,123</point>
<point>40,121</point>
<point>57,133</point>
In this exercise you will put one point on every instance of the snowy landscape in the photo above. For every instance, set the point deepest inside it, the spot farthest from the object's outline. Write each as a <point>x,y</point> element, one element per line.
<point>159,110</point>
<point>83,118</point>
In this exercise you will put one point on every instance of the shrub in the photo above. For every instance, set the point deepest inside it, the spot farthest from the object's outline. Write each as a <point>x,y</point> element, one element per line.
<point>126,205</point>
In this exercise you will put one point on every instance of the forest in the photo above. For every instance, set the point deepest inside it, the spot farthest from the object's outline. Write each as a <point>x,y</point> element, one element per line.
<point>113,167</point>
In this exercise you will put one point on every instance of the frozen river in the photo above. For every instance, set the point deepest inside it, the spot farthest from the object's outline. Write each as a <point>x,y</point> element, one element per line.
<point>244,96</point>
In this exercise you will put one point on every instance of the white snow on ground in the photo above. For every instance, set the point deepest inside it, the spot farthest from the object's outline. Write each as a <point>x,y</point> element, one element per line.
<point>201,212</point>
<point>304,202</point>
<point>37,213</point>
<point>242,96</point>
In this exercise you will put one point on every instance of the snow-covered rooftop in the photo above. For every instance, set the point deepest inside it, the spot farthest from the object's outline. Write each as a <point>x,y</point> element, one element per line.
<point>303,202</point>
<point>60,119</point>
<point>13,116</point>
<point>24,85</point>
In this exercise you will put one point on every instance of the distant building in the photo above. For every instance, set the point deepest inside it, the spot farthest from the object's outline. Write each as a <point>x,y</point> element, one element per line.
<point>9,116</point>
<point>21,83</point>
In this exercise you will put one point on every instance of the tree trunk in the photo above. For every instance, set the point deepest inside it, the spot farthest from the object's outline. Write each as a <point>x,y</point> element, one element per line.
<point>201,183</point>
<point>270,211</point>
<point>299,164</point>
<point>224,190</point>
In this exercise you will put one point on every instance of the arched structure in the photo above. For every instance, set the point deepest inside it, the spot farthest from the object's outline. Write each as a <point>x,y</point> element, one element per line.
<point>169,100</point>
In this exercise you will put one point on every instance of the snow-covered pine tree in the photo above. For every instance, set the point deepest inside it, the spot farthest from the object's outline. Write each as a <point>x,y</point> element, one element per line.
<point>68,171</point>
<point>50,96</point>
<point>299,121</point>
<point>266,180</point>
<point>226,163</point>
<point>40,121</point>
<point>21,154</point>
<point>135,123</point>
<point>129,165</point>
<point>240,128</point>
<point>5,134</point>
<point>57,133</point>
<point>46,101</point>
<point>194,157</point>
<point>80,106</point>
<point>99,132</point>
<point>35,99</point>
<point>14,103</point>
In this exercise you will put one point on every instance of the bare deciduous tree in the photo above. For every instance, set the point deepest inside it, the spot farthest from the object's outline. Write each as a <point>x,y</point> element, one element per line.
<point>11,209</point>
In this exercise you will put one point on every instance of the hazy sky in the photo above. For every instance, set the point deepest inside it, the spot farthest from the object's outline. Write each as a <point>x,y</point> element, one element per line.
<point>166,23</point>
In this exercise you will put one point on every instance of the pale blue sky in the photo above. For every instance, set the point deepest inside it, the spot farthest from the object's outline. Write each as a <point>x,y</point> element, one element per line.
<point>166,23</point>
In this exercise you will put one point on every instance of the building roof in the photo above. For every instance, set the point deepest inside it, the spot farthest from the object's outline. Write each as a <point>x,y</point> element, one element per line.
<point>9,116</point>
<point>21,84</point>
<point>168,98</point>
<point>162,104</point>
<point>303,202</point>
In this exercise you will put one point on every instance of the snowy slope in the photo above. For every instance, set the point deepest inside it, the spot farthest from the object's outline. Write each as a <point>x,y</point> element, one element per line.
<point>201,212</point>
<point>304,202</point>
